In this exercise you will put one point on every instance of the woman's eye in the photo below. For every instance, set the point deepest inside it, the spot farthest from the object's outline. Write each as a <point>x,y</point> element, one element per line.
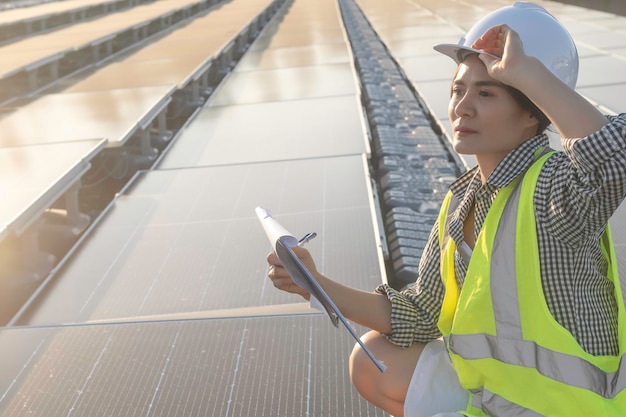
<point>484,93</point>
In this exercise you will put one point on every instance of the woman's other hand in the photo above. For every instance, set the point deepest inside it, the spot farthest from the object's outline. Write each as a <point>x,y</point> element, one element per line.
<point>502,41</point>
<point>280,277</point>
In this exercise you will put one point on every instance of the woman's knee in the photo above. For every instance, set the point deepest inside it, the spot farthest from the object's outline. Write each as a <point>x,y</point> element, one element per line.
<point>400,363</point>
<point>362,370</point>
<point>386,390</point>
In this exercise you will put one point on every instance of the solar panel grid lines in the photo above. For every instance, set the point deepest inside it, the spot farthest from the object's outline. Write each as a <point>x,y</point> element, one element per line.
<point>332,392</point>
<point>61,376</point>
<point>102,377</point>
<point>278,348</point>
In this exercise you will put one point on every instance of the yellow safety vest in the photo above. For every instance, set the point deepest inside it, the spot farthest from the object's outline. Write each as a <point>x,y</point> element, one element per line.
<point>505,345</point>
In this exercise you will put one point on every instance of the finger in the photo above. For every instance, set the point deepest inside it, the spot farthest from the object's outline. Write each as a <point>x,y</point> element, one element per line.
<point>291,287</point>
<point>493,37</point>
<point>284,283</point>
<point>277,272</point>
<point>272,259</point>
<point>489,35</point>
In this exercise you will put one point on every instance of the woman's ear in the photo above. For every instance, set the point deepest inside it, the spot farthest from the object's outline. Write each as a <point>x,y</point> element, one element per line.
<point>532,122</point>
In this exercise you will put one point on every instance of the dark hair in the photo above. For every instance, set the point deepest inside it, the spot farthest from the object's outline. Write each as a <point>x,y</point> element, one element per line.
<point>529,106</point>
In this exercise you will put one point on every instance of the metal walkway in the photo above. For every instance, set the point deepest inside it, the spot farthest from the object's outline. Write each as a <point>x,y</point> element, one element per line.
<point>163,306</point>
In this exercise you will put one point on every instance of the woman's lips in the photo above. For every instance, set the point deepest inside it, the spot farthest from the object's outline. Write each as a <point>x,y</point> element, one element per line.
<point>464,131</point>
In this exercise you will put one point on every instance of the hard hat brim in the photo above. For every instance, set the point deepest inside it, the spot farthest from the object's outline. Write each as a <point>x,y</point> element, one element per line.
<point>458,52</point>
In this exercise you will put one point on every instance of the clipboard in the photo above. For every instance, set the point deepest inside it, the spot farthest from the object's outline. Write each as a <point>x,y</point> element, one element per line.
<point>282,242</point>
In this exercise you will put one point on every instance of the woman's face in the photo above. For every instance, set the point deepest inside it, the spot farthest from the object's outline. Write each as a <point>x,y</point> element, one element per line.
<point>486,120</point>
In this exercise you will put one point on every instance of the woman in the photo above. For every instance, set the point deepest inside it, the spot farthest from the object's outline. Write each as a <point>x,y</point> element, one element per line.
<point>538,334</point>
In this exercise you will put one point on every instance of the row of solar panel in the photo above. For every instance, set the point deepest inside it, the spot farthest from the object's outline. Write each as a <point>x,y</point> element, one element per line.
<point>21,22</point>
<point>88,133</point>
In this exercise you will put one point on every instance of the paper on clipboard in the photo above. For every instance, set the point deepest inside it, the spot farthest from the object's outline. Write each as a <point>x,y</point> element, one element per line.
<point>282,241</point>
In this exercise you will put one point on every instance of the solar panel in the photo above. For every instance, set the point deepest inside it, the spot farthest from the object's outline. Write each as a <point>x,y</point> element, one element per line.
<point>270,131</point>
<point>229,367</point>
<point>188,240</point>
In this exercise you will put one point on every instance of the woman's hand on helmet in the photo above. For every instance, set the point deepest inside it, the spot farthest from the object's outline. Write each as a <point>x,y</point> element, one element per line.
<point>280,277</point>
<point>502,41</point>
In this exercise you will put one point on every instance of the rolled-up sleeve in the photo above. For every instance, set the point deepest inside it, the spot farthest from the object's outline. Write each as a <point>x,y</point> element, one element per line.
<point>415,311</point>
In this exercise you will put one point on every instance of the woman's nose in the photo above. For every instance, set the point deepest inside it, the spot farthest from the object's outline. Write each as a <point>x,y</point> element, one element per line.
<point>462,106</point>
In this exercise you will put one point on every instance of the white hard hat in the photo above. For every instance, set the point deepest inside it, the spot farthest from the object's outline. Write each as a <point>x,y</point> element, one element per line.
<point>542,36</point>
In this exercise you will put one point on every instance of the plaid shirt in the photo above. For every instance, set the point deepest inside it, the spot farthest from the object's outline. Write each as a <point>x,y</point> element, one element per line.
<point>577,192</point>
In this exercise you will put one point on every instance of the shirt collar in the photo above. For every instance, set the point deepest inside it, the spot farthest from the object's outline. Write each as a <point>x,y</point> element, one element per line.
<point>514,163</point>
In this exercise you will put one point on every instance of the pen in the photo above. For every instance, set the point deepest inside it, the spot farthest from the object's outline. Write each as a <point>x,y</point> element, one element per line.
<point>306,238</point>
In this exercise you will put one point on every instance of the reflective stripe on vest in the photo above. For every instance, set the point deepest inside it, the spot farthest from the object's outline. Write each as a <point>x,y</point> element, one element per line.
<point>508,345</point>
<point>567,369</point>
<point>496,405</point>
